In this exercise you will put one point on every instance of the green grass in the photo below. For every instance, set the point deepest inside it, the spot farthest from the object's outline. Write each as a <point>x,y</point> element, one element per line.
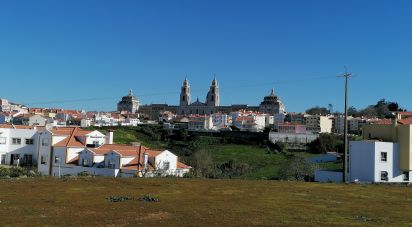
<point>130,135</point>
<point>195,202</point>
<point>264,165</point>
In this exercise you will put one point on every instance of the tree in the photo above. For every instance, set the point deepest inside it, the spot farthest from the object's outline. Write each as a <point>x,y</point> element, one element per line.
<point>393,106</point>
<point>352,111</point>
<point>297,168</point>
<point>318,111</point>
<point>202,164</point>
<point>325,143</point>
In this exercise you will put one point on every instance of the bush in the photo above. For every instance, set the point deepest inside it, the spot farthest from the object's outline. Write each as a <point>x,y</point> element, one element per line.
<point>297,168</point>
<point>16,171</point>
<point>84,174</point>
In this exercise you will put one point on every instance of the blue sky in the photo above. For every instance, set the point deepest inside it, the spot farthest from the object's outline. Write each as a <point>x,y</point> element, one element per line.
<point>59,53</point>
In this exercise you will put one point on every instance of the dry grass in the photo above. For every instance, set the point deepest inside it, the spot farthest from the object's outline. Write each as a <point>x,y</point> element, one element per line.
<point>193,202</point>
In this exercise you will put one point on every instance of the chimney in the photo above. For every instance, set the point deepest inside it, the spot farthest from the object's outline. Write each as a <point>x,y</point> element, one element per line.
<point>146,160</point>
<point>109,137</point>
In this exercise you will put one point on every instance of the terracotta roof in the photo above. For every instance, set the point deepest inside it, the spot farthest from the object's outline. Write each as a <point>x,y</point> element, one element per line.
<point>72,140</point>
<point>382,122</point>
<point>406,121</point>
<point>16,126</point>
<point>74,161</point>
<point>182,166</point>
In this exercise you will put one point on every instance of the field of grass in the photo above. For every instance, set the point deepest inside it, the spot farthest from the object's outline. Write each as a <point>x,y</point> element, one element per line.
<point>264,165</point>
<point>195,202</point>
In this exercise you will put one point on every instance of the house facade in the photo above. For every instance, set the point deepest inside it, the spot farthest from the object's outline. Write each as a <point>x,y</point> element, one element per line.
<point>18,145</point>
<point>385,154</point>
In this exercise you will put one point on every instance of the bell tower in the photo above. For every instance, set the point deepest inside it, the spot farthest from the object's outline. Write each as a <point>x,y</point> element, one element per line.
<point>185,97</point>
<point>213,96</point>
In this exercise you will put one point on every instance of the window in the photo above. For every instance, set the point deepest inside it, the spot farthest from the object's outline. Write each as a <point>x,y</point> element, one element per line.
<point>384,176</point>
<point>166,165</point>
<point>384,156</point>
<point>2,140</point>
<point>56,160</point>
<point>111,164</point>
<point>29,141</point>
<point>43,160</point>
<point>86,162</point>
<point>45,142</point>
<point>16,141</point>
<point>406,176</point>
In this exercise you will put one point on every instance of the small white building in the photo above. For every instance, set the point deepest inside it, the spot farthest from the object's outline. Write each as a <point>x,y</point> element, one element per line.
<point>249,121</point>
<point>200,123</point>
<point>18,145</point>
<point>375,161</point>
<point>221,121</point>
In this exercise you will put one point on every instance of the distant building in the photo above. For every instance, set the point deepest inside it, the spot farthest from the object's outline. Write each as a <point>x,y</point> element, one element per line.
<point>129,103</point>
<point>271,104</point>
<point>292,128</point>
<point>200,123</point>
<point>318,124</point>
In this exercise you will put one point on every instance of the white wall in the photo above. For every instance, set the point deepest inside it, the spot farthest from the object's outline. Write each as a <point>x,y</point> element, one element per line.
<point>362,161</point>
<point>365,162</point>
<point>21,149</point>
<point>166,156</point>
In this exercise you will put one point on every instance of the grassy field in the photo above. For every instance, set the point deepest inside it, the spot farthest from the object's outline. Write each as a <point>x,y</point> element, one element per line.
<point>193,202</point>
<point>264,165</point>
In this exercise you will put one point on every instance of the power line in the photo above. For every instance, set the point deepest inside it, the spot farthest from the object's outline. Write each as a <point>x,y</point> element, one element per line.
<point>178,92</point>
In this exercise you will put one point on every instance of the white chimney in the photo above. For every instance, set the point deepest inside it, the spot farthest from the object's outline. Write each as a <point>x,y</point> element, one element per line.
<point>109,137</point>
<point>146,160</point>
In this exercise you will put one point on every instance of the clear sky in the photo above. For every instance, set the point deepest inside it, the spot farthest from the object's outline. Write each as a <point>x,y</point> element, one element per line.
<point>86,54</point>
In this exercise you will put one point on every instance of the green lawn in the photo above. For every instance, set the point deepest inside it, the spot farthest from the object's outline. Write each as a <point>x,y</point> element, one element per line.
<point>264,165</point>
<point>198,202</point>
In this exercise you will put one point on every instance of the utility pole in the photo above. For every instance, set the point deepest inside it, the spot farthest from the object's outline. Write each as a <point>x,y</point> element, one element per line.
<point>346,75</point>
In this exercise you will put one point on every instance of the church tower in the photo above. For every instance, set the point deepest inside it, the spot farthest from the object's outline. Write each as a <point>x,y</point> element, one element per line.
<point>213,96</point>
<point>185,94</point>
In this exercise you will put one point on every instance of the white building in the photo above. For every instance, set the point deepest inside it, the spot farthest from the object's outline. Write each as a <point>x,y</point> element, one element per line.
<point>18,145</point>
<point>37,120</point>
<point>318,124</point>
<point>70,151</point>
<point>249,121</point>
<point>200,123</point>
<point>221,121</point>
<point>374,161</point>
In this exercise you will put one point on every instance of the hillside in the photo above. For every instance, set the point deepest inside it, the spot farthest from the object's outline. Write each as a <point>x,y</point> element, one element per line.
<point>251,161</point>
<point>193,202</point>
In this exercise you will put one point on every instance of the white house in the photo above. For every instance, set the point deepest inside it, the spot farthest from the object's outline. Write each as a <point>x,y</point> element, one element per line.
<point>249,121</point>
<point>200,122</point>
<point>70,151</point>
<point>375,161</point>
<point>18,145</point>
<point>221,121</point>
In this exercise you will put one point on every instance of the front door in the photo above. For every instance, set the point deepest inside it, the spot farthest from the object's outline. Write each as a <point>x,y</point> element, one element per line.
<point>14,158</point>
<point>3,159</point>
